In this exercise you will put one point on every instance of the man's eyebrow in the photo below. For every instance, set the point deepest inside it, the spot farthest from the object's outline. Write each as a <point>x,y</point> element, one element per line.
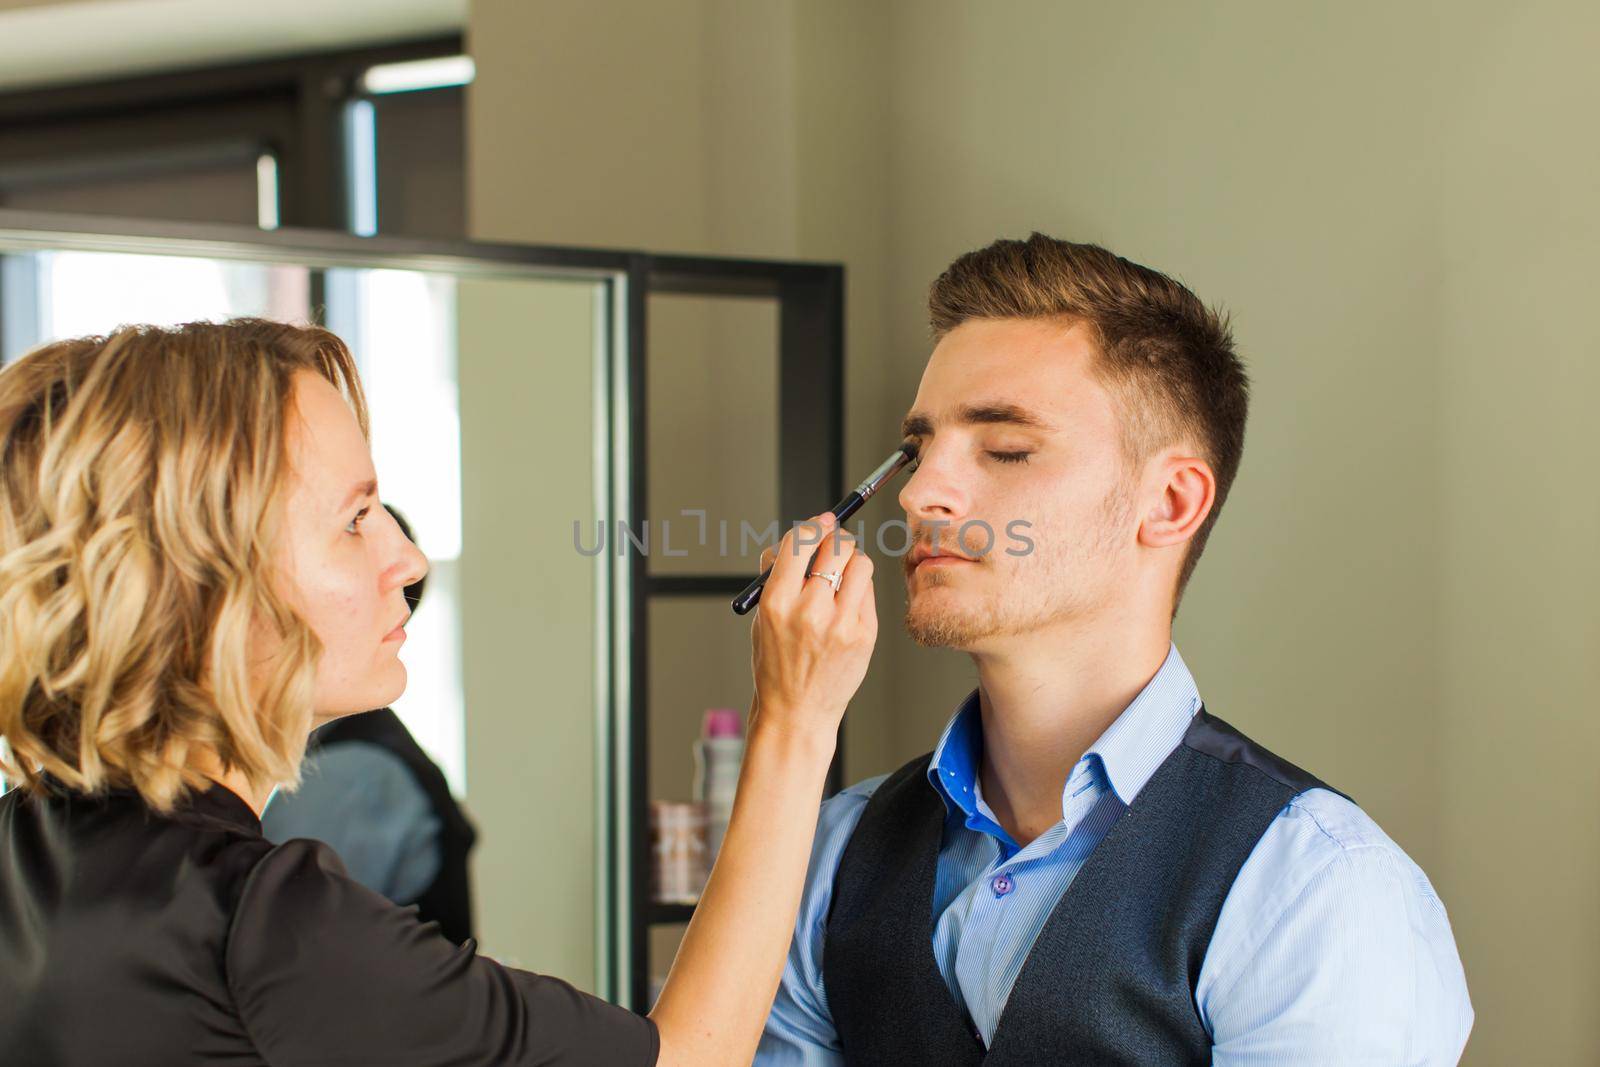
<point>366,488</point>
<point>918,424</point>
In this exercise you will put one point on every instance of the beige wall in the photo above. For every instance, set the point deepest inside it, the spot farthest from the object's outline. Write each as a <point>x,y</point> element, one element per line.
<point>681,128</point>
<point>1400,210</point>
<point>1519,573</point>
<point>1397,203</point>
<point>526,380</point>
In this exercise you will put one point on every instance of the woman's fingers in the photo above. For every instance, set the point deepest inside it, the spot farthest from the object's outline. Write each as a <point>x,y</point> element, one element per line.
<point>790,564</point>
<point>855,600</point>
<point>811,640</point>
<point>832,556</point>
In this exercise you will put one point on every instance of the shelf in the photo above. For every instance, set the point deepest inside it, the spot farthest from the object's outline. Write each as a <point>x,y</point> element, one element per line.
<point>808,430</point>
<point>667,914</point>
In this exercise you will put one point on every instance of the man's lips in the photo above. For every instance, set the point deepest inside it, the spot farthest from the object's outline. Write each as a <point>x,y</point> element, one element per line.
<point>924,555</point>
<point>399,631</point>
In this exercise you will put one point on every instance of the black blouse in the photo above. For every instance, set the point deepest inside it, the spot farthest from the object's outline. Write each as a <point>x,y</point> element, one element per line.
<point>131,938</point>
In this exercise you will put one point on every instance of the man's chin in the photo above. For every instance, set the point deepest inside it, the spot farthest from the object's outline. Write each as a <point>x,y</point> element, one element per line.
<point>942,629</point>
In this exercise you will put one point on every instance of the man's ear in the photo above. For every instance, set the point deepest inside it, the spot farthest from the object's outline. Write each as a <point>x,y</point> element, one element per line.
<point>1185,490</point>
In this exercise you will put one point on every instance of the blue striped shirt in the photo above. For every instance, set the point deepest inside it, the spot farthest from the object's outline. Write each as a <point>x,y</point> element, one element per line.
<point>1332,947</point>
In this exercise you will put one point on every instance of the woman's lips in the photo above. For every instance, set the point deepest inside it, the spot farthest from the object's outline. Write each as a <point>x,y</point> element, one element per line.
<point>399,631</point>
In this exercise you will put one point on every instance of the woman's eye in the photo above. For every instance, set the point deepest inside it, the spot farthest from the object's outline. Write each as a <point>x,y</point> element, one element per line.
<point>1011,457</point>
<point>355,523</point>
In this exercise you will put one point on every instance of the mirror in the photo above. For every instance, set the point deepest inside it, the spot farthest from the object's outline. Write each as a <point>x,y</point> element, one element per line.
<point>490,413</point>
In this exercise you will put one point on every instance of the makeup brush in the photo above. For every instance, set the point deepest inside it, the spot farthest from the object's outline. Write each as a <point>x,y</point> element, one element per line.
<point>897,461</point>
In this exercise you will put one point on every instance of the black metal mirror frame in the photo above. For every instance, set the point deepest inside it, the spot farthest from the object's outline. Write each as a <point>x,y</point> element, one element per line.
<point>810,433</point>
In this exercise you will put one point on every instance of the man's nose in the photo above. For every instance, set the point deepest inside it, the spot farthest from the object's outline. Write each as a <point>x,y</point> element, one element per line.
<point>937,488</point>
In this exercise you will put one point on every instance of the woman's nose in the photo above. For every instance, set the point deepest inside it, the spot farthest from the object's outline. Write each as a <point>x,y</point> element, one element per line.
<point>415,564</point>
<point>411,566</point>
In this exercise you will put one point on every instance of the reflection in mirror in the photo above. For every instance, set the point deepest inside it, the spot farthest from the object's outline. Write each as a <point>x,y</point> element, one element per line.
<point>401,325</point>
<point>700,660</point>
<point>52,295</point>
<point>483,390</point>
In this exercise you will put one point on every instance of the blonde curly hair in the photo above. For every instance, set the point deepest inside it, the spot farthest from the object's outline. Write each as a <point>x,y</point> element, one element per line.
<point>141,480</point>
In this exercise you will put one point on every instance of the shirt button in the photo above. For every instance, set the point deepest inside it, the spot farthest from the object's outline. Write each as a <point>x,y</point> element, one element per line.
<point>1002,884</point>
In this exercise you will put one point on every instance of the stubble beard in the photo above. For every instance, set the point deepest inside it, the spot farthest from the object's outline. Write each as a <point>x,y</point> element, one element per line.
<point>1057,582</point>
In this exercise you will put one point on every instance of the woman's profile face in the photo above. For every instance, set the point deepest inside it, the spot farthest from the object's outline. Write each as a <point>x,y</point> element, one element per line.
<point>343,560</point>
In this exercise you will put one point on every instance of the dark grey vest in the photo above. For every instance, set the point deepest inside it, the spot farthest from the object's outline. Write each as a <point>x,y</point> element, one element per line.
<point>1111,978</point>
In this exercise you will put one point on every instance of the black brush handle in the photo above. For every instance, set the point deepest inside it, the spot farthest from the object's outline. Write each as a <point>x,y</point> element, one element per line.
<point>751,596</point>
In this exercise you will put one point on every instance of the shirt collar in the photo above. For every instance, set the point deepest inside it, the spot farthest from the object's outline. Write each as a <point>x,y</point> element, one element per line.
<point>216,801</point>
<point>1129,751</point>
<point>954,768</point>
<point>219,802</point>
<point>1145,734</point>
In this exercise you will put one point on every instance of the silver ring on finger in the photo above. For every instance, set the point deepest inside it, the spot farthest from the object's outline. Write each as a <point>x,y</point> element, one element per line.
<point>832,578</point>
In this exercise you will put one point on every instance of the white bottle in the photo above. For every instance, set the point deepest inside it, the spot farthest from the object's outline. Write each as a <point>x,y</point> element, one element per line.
<point>717,756</point>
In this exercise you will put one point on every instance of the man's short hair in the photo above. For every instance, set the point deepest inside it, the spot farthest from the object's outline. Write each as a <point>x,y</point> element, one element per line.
<point>1166,358</point>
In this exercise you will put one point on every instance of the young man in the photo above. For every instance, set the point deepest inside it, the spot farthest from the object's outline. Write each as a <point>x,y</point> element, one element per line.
<point>1090,868</point>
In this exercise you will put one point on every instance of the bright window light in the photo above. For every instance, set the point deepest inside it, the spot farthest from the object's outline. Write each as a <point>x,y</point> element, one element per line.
<point>267,191</point>
<point>441,73</point>
<point>87,293</point>
<point>408,369</point>
<point>361,164</point>
<point>401,326</point>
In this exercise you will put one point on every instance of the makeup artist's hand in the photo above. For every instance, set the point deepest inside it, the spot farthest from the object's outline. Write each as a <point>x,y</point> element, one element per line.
<point>810,648</point>
<point>811,645</point>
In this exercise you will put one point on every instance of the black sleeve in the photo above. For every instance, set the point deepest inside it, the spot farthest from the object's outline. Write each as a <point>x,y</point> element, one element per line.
<point>324,971</point>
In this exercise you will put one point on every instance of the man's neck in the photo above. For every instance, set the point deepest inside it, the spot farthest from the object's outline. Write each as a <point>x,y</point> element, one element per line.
<point>1045,698</point>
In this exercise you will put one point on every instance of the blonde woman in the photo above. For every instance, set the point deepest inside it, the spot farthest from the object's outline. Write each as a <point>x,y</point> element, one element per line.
<point>194,570</point>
